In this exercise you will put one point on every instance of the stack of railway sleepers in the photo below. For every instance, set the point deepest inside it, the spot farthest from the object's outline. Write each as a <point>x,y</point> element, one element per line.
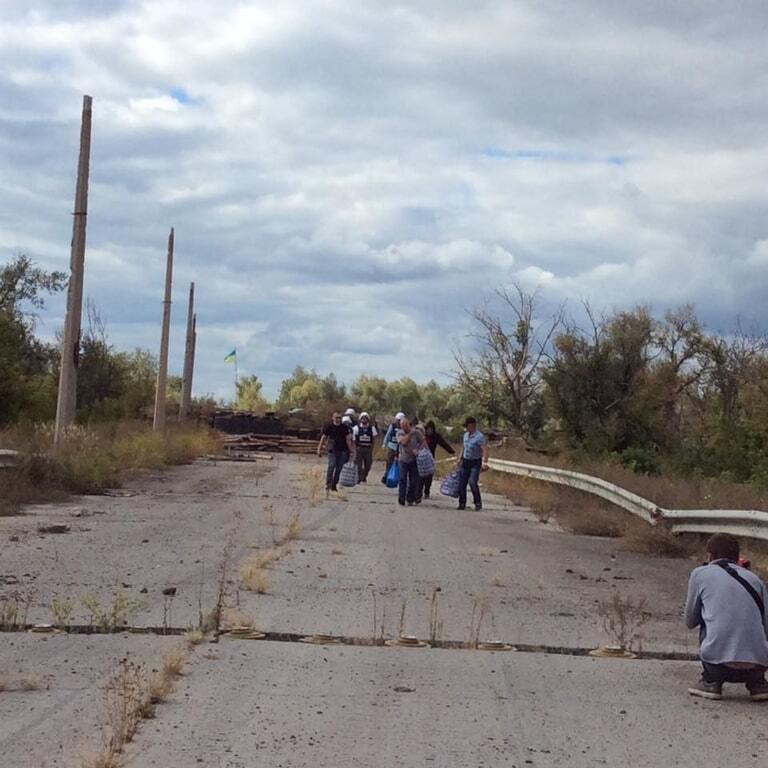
<point>244,444</point>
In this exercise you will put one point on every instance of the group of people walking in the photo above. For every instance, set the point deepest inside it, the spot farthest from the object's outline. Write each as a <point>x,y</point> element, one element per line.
<point>348,437</point>
<point>726,601</point>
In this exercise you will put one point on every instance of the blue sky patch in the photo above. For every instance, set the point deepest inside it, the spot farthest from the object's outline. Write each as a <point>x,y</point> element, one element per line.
<point>180,95</point>
<point>558,155</point>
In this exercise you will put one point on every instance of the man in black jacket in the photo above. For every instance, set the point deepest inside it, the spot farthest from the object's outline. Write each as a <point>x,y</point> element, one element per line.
<point>338,437</point>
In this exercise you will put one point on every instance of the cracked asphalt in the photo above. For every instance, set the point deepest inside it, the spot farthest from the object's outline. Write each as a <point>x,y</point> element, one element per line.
<point>361,567</point>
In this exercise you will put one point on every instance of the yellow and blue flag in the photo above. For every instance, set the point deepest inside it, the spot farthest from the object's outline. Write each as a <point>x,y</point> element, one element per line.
<point>231,357</point>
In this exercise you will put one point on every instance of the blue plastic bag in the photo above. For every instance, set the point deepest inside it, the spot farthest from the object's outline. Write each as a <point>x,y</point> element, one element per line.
<point>393,476</point>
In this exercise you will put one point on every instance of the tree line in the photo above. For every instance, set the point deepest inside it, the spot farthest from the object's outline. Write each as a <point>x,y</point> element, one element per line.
<point>654,393</point>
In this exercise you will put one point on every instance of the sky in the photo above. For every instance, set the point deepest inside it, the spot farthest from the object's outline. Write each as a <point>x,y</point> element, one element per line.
<point>346,180</point>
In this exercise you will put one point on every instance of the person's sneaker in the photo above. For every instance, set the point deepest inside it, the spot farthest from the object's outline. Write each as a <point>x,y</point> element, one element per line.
<point>706,690</point>
<point>417,501</point>
<point>401,502</point>
<point>411,503</point>
<point>462,506</point>
<point>759,692</point>
<point>478,507</point>
<point>426,495</point>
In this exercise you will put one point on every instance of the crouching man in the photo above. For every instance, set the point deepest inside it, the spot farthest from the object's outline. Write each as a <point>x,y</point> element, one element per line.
<point>727,602</point>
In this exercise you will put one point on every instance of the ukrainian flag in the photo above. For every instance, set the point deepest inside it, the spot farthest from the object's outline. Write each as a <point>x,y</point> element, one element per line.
<point>231,357</point>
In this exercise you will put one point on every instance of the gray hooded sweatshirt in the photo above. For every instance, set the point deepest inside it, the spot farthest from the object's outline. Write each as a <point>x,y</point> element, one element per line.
<point>728,617</point>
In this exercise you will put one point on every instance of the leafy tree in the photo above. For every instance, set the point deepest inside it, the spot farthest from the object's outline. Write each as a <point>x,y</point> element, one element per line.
<point>26,364</point>
<point>249,395</point>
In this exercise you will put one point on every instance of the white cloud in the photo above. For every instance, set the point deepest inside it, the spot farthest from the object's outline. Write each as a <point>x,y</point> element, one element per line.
<point>345,179</point>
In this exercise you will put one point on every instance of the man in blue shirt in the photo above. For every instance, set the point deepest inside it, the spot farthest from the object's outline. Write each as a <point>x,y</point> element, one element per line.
<point>473,458</point>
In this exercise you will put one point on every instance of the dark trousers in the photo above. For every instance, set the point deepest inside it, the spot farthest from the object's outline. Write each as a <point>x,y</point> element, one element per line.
<point>719,673</point>
<point>336,460</point>
<point>409,480</point>
<point>364,460</point>
<point>470,474</point>
<point>424,487</point>
<point>391,456</point>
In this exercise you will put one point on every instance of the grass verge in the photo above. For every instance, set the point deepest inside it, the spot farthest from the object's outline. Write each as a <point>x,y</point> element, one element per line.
<point>91,459</point>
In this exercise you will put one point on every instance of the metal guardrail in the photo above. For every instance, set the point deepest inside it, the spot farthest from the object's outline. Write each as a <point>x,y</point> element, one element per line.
<point>9,458</point>
<point>749,523</point>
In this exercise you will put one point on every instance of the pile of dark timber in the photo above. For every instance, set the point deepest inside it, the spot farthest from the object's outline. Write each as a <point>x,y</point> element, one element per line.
<point>244,444</point>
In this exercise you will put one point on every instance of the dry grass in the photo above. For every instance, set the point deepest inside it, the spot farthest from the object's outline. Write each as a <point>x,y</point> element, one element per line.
<point>174,661</point>
<point>30,683</point>
<point>234,619</point>
<point>315,485</point>
<point>130,697</point>
<point>254,579</point>
<point>658,540</point>
<point>104,758</point>
<point>666,490</point>
<point>294,528</point>
<point>24,682</point>
<point>584,514</point>
<point>574,510</point>
<point>268,556</point>
<point>622,619</point>
<point>160,688</point>
<point>90,460</point>
<point>194,637</point>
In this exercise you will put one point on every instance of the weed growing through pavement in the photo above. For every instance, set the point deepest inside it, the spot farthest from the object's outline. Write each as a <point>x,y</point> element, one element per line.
<point>130,696</point>
<point>254,578</point>
<point>378,624</point>
<point>126,701</point>
<point>401,625</point>
<point>267,556</point>
<point>9,614</point>
<point>62,610</point>
<point>174,661</point>
<point>269,514</point>
<point>622,619</point>
<point>111,617</point>
<point>293,530</point>
<point>316,484</point>
<point>194,637</point>
<point>435,623</point>
<point>234,619</point>
<point>480,610</point>
<point>29,683</point>
<point>21,683</point>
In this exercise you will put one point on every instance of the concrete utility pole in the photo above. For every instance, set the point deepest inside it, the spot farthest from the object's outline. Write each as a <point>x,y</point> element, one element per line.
<point>186,384</point>
<point>162,367</point>
<point>70,346</point>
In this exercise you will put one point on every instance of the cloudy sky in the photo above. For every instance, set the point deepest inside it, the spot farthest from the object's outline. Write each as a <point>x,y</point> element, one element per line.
<point>345,179</point>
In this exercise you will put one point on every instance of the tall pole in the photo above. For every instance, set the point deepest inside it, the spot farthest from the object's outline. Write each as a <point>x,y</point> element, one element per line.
<point>66,402</point>
<point>186,383</point>
<point>235,403</point>
<point>192,358</point>
<point>162,368</point>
